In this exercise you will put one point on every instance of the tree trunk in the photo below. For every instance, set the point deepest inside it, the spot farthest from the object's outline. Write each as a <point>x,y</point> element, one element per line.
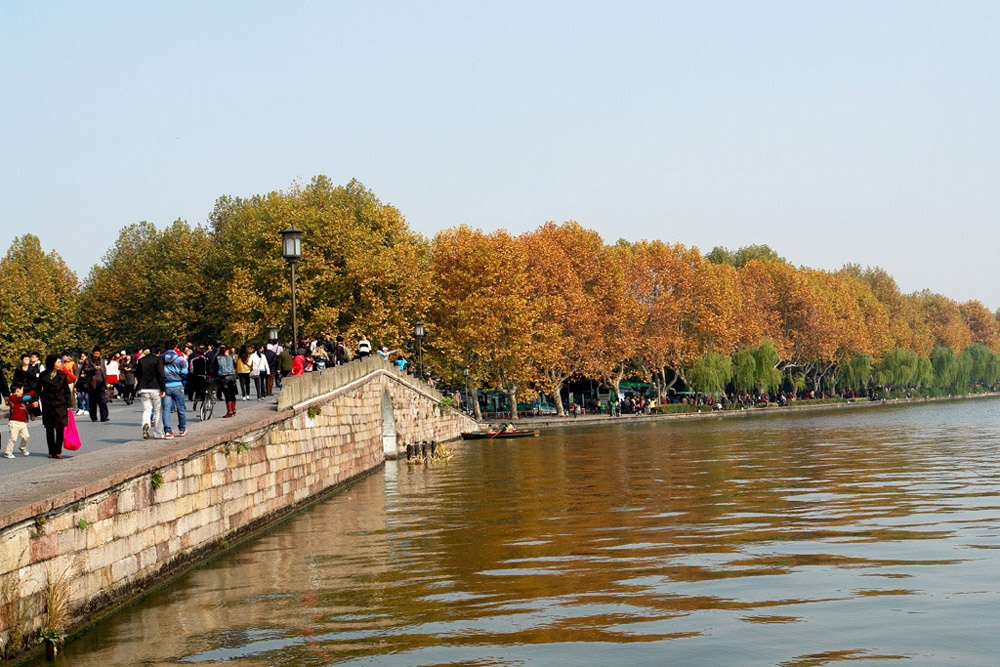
<point>560,411</point>
<point>673,380</point>
<point>476,410</point>
<point>512,396</point>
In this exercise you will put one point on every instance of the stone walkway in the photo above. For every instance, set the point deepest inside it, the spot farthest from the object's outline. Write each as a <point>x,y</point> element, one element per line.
<point>31,485</point>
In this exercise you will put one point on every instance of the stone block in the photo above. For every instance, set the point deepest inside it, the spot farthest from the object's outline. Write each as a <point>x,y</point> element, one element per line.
<point>126,500</point>
<point>168,491</point>
<point>33,579</point>
<point>100,532</point>
<point>15,550</point>
<point>124,525</point>
<point>147,559</point>
<point>194,467</point>
<point>123,569</point>
<point>108,507</point>
<point>72,540</point>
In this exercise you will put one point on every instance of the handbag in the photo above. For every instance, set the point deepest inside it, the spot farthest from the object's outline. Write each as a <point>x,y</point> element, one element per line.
<point>71,437</point>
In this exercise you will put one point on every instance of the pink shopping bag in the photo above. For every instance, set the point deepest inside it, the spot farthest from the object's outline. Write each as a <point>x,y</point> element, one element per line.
<point>71,437</point>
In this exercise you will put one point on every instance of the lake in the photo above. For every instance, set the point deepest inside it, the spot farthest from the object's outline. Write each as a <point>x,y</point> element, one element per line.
<point>809,539</point>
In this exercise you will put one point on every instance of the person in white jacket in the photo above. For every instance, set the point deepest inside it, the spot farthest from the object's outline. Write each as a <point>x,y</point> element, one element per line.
<point>259,370</point>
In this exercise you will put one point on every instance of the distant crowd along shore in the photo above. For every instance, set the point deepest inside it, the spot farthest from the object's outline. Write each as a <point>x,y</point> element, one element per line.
<point>64,386</point>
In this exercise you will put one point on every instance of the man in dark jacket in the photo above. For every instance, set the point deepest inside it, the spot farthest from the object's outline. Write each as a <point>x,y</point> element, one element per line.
<point>272,365</point>
<point>152,385</point>
<point>96,374</point>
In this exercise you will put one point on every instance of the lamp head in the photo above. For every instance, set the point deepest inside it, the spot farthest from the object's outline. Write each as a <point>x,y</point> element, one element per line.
<point>291,243</point>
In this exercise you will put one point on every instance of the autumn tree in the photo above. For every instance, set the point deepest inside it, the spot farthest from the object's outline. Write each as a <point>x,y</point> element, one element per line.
<point>982,326</point>
<point>38,309</point>
<point>151,285</point>
<point>483,314</point>
<point>741,257</point>
<point>362,269</point>
<point>619,319</point>
<point>945,321</point>
<point>570,277</point>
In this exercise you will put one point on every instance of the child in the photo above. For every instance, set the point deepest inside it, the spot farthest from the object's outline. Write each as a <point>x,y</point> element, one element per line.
<point>18,420</point>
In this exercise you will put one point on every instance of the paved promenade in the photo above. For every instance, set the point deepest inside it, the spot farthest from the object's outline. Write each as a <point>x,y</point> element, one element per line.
<point>30,485</point>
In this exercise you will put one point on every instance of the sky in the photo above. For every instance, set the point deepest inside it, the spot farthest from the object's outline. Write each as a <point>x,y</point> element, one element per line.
<point>835,132</point>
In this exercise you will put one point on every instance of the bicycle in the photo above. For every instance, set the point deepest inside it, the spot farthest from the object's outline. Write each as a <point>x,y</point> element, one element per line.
<point>207,407</point>
<point>207,398</point>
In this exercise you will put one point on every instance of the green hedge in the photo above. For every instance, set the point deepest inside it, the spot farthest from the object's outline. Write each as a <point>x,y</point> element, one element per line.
<point>816,401</point>
<point>673,408</point>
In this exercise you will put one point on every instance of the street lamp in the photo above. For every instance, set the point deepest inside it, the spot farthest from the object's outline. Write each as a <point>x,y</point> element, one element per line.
<point>272,333</point>
<point>291,250</point>
<point>418,333</point>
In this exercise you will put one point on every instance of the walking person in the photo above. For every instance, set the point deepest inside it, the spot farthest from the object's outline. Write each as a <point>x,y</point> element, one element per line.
<point>227,378</point>
<point>17,420</point>
<point>70,368</point>
<point>285,362</point>
<point>197,385</point>
<point>243,370</point>
<point>126,369</point>
<point>97,383</point>
<point>342,354</point>
<point>112,370</point>
<point>175,371</point>
<point>364,347</point>
<point>26,376</point>
<point>259,371</point>
<point>82,400</point>
<point>271,357</point>
<point>152,383</point>
<point>53,392</point>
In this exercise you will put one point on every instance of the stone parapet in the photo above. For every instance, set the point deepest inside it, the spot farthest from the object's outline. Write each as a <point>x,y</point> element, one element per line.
<point>110,538</point>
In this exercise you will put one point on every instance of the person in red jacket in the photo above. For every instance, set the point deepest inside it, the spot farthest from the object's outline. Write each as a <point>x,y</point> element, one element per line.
<point>18,420</point>
<point>299,364</point>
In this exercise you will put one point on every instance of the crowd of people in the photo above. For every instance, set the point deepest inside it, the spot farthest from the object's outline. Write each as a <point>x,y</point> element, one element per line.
<point>163,378</point>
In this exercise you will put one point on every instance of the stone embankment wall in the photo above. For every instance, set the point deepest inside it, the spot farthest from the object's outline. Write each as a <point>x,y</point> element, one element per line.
<point>115,542</point>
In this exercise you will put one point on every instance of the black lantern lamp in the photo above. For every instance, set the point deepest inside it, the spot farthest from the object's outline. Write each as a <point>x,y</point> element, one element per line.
<point>418,333</point>
<point>291,250</point>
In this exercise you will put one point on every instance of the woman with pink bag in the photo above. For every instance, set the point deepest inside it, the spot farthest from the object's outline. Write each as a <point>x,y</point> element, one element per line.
<point>53,392</point>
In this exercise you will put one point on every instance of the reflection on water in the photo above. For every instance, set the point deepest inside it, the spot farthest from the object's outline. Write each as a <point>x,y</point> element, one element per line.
<point>794,540</point>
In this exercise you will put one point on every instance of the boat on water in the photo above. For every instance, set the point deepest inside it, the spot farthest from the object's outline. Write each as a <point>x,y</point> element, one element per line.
<point>486,435</point>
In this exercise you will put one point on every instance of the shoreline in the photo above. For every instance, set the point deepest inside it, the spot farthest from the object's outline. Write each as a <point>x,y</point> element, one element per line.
<point>553,423</point>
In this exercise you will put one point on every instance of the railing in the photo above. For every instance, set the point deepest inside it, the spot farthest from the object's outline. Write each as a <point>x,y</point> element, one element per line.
<point>297,389</point>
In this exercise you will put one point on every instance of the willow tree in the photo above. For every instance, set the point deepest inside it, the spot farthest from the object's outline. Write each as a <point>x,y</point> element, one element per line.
<point>710,373</point>
<point>855,372</point>
<point>38,308</point>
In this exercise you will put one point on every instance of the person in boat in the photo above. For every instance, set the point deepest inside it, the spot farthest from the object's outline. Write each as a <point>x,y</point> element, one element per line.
<point>507,428</point>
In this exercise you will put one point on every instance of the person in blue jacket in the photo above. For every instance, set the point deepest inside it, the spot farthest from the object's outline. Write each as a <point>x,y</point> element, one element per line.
<point>175,368</point>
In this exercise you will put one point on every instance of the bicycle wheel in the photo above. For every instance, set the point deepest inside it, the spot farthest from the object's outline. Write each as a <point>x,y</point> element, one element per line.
<point>207,407</point>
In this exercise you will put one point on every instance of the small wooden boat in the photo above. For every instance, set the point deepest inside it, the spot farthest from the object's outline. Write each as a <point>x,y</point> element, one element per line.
<point>486,435</point>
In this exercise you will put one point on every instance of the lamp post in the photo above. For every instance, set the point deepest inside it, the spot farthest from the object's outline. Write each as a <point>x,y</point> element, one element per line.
<point>418,333</point>
<point>291,250</point>
<point>272,333</point>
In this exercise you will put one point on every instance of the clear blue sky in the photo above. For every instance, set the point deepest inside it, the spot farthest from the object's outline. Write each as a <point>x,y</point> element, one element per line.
<point>834,131</point>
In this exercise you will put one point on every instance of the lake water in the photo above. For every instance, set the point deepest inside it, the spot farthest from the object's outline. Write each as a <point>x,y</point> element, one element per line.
<point>810,539</point>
